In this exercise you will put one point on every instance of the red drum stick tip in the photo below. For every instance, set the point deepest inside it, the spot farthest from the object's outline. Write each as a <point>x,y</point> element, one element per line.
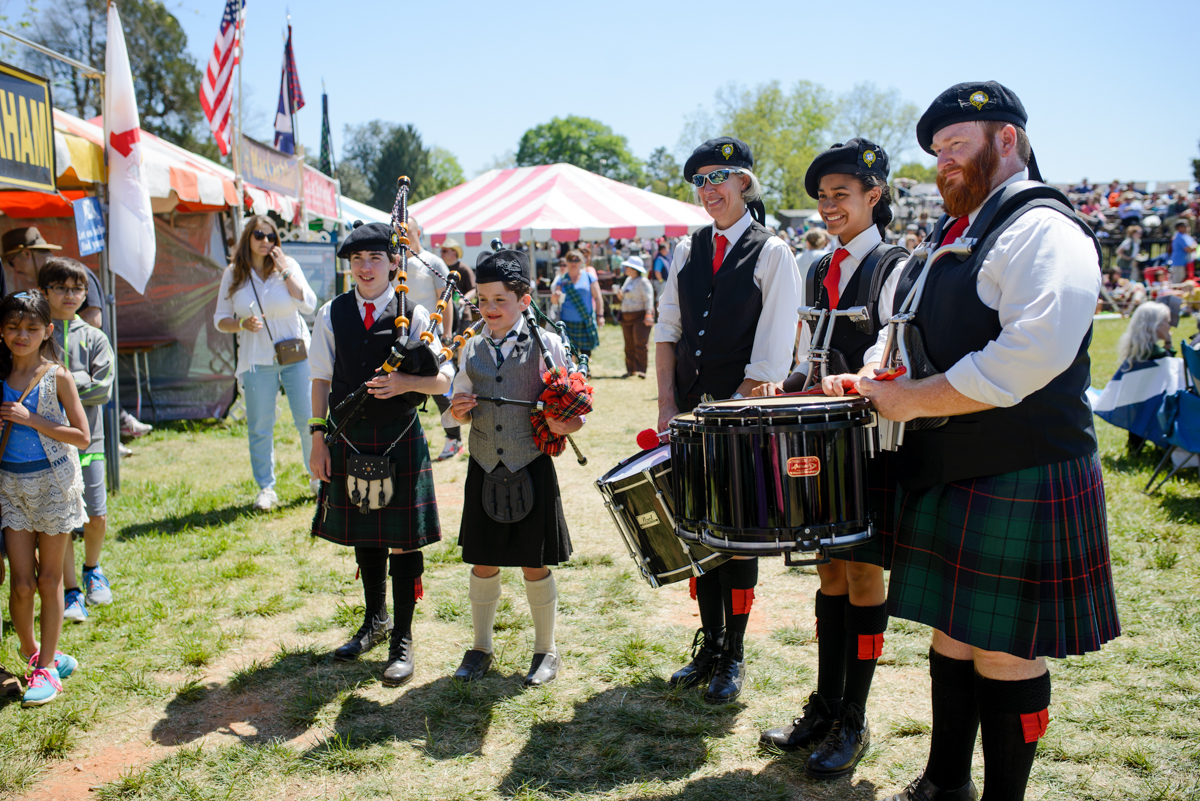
<point>648,440</point>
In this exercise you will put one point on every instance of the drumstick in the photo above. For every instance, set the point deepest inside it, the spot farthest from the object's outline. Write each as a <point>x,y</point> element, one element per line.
<point>649,439</point>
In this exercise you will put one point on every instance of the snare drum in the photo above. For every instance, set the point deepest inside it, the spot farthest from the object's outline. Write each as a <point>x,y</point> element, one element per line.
<point>785,474</point>
<point>687,477</point>
<point>637,493</point>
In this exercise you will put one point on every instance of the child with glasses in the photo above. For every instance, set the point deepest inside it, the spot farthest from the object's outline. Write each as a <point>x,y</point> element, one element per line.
<point>88,356</point>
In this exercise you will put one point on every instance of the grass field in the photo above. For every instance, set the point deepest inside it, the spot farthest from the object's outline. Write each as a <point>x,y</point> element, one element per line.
<point>209,678</point>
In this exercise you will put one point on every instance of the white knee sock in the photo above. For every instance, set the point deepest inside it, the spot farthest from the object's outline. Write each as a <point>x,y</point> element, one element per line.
<point>543,606</point>
<point>485,597</point>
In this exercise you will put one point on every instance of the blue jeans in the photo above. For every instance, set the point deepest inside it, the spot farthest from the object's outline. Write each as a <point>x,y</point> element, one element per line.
<point>261,384</point>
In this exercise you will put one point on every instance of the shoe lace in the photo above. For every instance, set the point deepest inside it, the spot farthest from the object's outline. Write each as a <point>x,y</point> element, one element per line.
<point>697,642</point>
<point>851,720</point>
<point>914,791</point>
<point>41,676</point>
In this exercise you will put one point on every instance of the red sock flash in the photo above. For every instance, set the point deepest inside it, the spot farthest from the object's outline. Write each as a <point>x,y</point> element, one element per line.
<point>742,601</point>
<point>1033,724</point>
<point>870,646</point>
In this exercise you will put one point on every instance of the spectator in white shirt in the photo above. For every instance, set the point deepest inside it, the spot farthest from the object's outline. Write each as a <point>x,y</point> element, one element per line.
<point>816,245</point>
<point>262,295</point>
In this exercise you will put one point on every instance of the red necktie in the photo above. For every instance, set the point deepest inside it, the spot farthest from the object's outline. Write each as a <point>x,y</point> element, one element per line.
<point>719,243</point>
<point>834,277</point>
<point>956,230</point>
<point>369,317</point>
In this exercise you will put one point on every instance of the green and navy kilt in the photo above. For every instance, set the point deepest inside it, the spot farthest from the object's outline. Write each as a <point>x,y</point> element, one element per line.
<point>410,520</point>
<point>1017,563</point>
<point>882,498</point>
<point>583,333</point>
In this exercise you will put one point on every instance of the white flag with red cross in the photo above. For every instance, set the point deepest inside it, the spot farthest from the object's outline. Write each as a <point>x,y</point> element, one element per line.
<point>131,243</point>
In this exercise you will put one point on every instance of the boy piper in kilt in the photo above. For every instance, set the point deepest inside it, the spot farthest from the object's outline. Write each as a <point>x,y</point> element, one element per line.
<point>849,183</point>
<point>353,335</point>
<point>502,526</point>
<point>1001,545</point>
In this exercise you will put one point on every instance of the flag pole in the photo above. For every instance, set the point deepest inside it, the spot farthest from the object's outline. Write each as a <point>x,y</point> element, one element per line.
<point>297,148</point>
<point>112,409</point>
<point>239,187</point>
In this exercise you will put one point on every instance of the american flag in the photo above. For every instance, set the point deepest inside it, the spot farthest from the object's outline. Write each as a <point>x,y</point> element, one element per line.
<point>216,90</point>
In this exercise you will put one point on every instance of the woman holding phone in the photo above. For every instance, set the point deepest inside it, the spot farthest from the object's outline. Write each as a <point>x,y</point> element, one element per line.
<point>262,297</point>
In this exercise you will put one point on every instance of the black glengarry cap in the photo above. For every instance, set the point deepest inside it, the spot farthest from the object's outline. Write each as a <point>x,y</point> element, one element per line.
<point>504,265</point>
<point>965,102</point>
<point>724,151</point>
<point>371,236</point>
<point>855,157</point>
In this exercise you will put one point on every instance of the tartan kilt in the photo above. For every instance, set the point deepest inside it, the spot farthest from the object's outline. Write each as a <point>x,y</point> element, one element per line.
<point>410,520</point>
<point>583,333</point>
<point>1017,562</point>
<point>882,497</point>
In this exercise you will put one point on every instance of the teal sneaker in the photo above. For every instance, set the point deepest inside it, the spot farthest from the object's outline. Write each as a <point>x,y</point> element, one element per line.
<point>74,607</point>
<point>44,687</point>
<point>65,664</point>
<point>99,592</point>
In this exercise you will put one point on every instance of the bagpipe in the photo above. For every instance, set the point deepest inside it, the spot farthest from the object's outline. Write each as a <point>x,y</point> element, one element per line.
<point>411,357</point>
<point>567,394</point>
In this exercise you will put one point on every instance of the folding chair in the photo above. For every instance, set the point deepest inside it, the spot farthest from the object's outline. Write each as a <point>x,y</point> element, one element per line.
<point>1180,419</point>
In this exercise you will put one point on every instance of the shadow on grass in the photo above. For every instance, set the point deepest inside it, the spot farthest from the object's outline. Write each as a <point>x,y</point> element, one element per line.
<point>1183,509</point>
<point>771,784</point>
<point>637,732</point>
<point>202,518</point>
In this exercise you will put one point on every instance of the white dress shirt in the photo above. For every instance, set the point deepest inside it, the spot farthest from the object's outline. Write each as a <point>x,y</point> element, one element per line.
<point>279,309</point>
<point>775,276</point>
<point>806,258</point>
<point>424,287</point>
<point>857,249</point>
<point>462,382</point>
<point>320,354</point>
<point>1043,279</point>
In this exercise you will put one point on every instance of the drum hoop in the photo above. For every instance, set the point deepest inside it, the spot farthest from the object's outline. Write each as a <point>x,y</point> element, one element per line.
<point>792,428</point>
<point>797,534</point>
<point>748,409</point>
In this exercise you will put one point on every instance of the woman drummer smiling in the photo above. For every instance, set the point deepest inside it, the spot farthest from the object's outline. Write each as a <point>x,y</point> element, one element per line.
<point>849,182</point>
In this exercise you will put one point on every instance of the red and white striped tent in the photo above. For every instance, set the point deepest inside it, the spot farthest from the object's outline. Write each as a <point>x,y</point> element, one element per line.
<point>559,202</point>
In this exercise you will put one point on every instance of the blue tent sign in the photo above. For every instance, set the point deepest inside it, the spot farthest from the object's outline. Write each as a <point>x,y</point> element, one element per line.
<point>89,225</point>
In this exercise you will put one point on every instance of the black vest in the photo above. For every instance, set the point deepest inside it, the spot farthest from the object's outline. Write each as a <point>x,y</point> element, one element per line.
<point>718,315</point>
<point>853,340</point>
<point>1054,424</point>
<point>357,354</point>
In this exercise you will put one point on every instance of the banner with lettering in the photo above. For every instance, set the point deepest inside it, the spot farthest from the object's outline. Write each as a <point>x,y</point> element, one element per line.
<point>267,168</point>
<point>26,131</point>
<point>321,194</point>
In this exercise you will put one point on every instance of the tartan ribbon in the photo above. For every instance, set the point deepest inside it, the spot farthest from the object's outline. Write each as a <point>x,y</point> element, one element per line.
<point>567,396</point>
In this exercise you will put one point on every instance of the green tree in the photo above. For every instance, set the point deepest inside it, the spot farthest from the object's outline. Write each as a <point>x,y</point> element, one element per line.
<point>880,115</point>
<point>784,128</point>
<point>665,177</point>
<point>375,153</point>
<point>917,171</point>
<point>166,80</point>
<point>444,171</point>
<point>586,143</point>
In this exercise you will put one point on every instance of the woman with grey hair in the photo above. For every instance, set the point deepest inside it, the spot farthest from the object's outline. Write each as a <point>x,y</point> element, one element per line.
<point>726,324</point>
<point>1149,325</point>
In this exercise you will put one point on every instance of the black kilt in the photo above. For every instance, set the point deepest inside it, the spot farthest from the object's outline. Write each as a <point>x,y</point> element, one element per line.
<point>541,538</point>
<point>882,503</point>
<point>410,520</point>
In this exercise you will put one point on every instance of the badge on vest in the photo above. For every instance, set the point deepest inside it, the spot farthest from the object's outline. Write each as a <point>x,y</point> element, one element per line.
<point>803,466</point>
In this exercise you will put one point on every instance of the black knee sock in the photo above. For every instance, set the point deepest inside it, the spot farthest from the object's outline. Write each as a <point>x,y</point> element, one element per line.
<point>372,569</point>
<point>706,590</point>
<point>955,721</point>
<point>738,579</point>
<point>864,643</point>
<point>831,645</point>
<point>1012,717</point>
<point>406,570</point>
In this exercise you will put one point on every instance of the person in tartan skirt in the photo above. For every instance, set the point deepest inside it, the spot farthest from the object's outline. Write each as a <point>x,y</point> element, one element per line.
<point>726,323</point>
<point>1001,544</point>
<point>512,513</point>
<point>849,183</point>
<point>353,335</point>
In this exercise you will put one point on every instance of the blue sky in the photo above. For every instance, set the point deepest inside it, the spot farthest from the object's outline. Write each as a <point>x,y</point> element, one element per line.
<point>1106,84</point>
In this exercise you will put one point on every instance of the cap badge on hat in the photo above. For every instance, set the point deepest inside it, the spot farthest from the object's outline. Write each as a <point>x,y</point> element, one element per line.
<point>978,100</point>
<point>869,158</point>
<point>727,151</point>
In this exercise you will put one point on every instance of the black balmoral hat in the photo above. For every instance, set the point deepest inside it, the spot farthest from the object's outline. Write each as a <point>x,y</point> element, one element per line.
<point>724,151</point>
<point>965,102</point>
<point>504,265</point>
<point>856,157</point>
<point>372,236</point>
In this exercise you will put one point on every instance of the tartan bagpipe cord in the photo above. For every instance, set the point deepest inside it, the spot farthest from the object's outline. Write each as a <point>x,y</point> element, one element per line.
<point>567,395</point>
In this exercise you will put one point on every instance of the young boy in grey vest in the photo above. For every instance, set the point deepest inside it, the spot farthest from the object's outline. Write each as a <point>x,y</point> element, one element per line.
<point>512,514</point>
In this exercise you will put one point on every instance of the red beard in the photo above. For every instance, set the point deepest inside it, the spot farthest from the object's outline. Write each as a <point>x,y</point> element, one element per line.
<point>974,182</point>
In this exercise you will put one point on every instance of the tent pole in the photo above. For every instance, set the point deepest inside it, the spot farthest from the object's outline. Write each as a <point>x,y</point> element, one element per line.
<point>239,189</point>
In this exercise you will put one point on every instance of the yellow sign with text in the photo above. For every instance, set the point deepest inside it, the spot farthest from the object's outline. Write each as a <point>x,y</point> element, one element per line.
<point>26,131</point>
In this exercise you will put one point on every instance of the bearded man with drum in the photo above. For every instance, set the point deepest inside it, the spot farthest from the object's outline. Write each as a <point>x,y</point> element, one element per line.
<point>727,323</point>
<point>1001,545</point>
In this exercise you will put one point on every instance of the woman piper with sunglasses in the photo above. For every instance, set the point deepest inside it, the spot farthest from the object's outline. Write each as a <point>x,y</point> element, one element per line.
<point>727,321</point>
<point>262,295</point>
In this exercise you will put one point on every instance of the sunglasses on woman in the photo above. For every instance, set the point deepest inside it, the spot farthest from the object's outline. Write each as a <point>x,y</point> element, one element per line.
<point>715,177</point>
<point>261,235</point>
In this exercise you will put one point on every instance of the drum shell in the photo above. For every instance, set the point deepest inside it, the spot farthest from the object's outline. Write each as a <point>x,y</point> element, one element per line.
<point>784,479</point>
<point>688,479</point>
<point>643,510</point>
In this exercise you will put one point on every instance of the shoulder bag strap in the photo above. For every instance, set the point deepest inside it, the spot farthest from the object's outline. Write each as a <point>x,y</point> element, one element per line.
<point>261,308</point>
